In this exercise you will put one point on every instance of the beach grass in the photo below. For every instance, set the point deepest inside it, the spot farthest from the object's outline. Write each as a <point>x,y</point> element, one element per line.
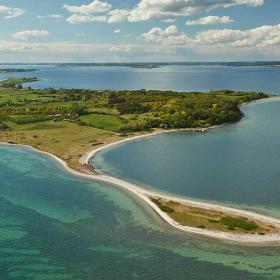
<point>211,219</point>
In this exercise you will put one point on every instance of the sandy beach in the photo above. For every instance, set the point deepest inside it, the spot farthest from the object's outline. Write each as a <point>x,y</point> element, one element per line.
<point>144,195</point>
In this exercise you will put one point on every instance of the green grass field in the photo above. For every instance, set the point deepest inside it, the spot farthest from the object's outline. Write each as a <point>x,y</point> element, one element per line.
<point>70,122</point>
<point>107,122</point>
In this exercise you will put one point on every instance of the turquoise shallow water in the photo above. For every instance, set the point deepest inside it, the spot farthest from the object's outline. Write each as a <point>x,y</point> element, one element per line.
<point>57,226</point>
<point>237,164</point>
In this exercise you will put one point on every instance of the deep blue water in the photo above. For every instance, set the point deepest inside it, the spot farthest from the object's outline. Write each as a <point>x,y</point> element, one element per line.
<point>172,77</point>
<point>238,163</point>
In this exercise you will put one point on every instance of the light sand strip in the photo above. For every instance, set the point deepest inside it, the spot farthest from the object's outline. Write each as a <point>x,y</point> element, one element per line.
<point>144,195</point>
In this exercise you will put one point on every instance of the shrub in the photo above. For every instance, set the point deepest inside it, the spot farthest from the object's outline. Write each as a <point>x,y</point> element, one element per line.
<point>3,126</point>
<point>241,223</point>
<point>132,108</point>
<point>166,209</point>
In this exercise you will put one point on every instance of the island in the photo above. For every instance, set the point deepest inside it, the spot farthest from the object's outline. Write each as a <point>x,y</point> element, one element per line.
<point>16,70</point>
<point>73,125</point>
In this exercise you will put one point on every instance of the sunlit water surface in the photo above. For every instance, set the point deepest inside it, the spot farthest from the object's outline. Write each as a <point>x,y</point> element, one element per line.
<point>57,226</point>
<point>172,77</point>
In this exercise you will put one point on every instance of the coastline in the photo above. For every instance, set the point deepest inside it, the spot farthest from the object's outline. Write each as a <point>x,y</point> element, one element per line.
<point>84,160</point>
<point>144,194</point>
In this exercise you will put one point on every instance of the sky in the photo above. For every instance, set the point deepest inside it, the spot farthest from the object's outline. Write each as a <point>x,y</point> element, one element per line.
<point>139,30</point>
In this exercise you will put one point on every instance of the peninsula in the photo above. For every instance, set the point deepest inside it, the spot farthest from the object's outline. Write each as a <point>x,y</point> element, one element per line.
<point>13,82</point>
<point>73,125</point>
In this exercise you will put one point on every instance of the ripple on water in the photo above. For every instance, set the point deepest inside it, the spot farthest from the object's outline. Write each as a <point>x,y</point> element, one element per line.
<point>77,229</point>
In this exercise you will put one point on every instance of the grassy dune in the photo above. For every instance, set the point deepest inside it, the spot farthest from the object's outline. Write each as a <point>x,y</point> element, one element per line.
<point>213,220</point>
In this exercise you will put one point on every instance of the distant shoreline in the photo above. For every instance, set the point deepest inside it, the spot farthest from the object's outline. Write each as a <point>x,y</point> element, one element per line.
<point>145,195</point>
<point>154,65</point>
<point>164,63</point>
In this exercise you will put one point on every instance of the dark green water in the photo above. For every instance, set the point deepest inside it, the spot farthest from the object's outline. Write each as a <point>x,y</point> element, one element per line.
<point>237,164</point>
<point>57,226</point>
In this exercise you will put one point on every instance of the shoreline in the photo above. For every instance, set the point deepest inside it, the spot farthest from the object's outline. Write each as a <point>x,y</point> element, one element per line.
<point>84,160</point>
<point>144,194</point>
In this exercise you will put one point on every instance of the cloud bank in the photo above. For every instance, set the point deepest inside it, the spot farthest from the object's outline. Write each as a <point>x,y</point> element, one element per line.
<point>9,12</point>
<point>28,34</point>
<point>210,20</point>
<point>150,9</point>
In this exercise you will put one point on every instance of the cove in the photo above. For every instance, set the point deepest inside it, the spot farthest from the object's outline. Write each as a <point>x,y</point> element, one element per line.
<point>237,164</point>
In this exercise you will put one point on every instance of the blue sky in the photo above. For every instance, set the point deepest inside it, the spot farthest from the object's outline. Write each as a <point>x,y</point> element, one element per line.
<point>139,30</point>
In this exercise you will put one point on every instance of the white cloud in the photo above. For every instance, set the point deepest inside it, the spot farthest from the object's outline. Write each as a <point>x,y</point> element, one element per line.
<point>262,42</point>
<point>92,8</point>
<point>257,38</point>
<point>262,36</point>
<point>153,9</point>
<point>166,10</point>
<point>53,16</point>
<point>71,48</point>
<point>167,36</point>
<point>118,15</point>
<point>4,9</point>
<point>11,12</point>
<point>210,20</point>
<point>78,18</point>
<point>28,34</point>
<point>169,20</point>
<point>87,13</point>
<point>120,49</point>
<point>117,31</point>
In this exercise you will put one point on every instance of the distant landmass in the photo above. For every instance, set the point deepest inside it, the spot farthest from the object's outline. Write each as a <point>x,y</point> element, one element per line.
<point>15,70</point>
<point>131,65</point>
<point>145,65</point>
<point>151,65</point>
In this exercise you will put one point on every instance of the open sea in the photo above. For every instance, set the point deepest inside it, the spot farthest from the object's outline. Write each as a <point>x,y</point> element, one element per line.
<point>170,77</point>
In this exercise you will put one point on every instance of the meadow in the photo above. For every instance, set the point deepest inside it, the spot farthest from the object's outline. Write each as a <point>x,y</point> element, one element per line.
<point>70,122</point>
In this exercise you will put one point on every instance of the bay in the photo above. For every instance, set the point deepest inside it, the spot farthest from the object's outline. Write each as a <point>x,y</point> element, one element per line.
<point>170,77</point>
<point>237,164</point>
